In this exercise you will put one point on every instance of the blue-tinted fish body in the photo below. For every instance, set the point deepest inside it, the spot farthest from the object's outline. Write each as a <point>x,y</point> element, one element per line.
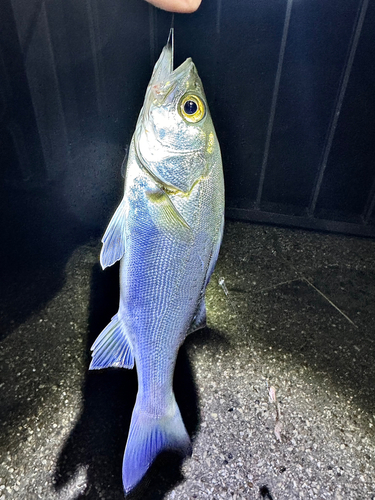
<point>166,233</point>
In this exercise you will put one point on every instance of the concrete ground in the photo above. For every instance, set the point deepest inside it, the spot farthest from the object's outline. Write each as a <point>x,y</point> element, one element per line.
<point>277,392</point>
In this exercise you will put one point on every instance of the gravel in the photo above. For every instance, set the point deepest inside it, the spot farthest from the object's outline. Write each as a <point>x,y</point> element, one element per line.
<point>277,391</point>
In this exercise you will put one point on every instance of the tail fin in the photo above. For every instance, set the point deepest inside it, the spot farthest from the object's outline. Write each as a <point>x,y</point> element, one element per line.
<point>149,436</point>
<point>112,347</point>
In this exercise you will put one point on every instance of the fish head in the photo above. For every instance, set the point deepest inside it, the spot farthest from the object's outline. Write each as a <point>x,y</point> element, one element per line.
<point>175,139</point>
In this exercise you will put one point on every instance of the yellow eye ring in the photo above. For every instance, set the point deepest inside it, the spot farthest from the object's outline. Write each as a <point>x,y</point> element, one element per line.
<point>192,108</point>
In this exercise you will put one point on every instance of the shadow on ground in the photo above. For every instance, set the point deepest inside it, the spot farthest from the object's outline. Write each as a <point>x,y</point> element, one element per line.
<point>98,439</point>
<point>39,236</point>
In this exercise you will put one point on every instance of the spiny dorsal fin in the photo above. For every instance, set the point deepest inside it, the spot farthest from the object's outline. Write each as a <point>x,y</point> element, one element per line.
<point>114,238</point>
<point>125,161</point>
<point>199,319</point>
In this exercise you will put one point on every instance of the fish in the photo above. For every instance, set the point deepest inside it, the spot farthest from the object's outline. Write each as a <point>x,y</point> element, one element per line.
<point>166,233</point>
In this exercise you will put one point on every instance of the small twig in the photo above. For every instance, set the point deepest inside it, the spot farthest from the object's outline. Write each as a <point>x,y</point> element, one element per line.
<point>276,286</point>
<point>328,300</point>
<point>278,425</point>
<point>278,251</point>
<point>221,282</point>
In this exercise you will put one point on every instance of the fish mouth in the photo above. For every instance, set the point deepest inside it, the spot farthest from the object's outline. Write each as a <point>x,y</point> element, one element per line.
<point>164,75</point>
<point>164,79</point>
<point>164,65</point>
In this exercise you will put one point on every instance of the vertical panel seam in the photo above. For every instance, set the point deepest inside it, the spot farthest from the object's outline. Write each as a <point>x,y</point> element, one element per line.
<point>93,29</point>
<point>218,17</point>
<point>274,102</point>
<point>357,29</point>
<point>370,205</point>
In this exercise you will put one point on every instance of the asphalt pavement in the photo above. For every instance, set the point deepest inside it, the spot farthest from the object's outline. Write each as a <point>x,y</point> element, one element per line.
<point>277,392</point>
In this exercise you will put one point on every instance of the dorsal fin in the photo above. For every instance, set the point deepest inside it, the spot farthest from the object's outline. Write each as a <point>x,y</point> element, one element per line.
<point>114,238</point>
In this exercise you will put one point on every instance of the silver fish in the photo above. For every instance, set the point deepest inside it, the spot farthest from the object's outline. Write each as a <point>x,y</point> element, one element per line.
<point>166,233</point>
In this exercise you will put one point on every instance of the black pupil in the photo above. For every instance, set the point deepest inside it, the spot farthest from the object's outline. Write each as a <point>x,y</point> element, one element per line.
<point>190,107</point>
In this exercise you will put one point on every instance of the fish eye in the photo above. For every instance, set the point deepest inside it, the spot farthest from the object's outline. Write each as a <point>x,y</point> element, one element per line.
<point>192,108</point>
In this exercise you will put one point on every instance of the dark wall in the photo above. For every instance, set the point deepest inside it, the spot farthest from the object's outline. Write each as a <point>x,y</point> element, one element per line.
<point>290,86</point>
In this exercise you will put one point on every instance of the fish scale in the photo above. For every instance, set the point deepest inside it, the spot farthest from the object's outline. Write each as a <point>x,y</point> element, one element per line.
<point>166,233</point>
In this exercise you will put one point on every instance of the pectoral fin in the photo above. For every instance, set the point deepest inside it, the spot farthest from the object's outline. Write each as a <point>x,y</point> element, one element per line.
<point>114,238</point>
<point>168,216</point>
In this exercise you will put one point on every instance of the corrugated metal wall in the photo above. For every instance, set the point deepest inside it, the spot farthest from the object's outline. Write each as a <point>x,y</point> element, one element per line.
<point>290,85</point>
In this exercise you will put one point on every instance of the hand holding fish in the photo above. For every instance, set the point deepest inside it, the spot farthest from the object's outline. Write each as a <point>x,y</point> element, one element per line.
<point>180,6</point>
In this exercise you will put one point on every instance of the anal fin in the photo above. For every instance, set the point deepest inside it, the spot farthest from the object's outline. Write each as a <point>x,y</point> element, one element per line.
<point>112,348</point>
